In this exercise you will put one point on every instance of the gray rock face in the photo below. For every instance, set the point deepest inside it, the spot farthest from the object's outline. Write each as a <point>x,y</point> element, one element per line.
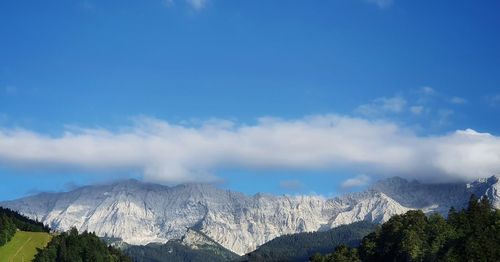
<point>142,213</point>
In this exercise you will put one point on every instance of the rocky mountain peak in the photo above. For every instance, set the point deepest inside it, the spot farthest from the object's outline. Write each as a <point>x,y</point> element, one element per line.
<point>141,213</point>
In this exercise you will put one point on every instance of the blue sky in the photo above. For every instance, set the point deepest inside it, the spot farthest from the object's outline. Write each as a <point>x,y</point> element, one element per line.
<point>102,70</point>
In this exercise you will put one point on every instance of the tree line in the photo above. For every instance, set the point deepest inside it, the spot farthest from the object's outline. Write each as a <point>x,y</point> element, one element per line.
<point>10,221</point>
<point>64,247</point>
<point>471,234</point>
<point>7,229</point>
<point>74,247</point>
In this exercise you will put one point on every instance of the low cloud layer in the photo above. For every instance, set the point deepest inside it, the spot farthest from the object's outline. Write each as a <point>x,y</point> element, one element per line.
<point>174,153</point>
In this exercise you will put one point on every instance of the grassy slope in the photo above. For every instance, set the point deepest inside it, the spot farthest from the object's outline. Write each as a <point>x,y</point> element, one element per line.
<point>23,246</point>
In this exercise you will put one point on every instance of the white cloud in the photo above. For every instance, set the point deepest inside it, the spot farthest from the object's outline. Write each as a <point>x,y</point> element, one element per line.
<point>357,181</point>
<point>472,132</point>
<point>174,153</point>
<point>381,3</point>
<point>458,100</point>
<point>382,106</point>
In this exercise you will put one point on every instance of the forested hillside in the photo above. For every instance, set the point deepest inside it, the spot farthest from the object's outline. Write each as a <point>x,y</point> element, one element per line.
<point>175,251</point>
<point>11,220</point>
<point>66,246</point>
<point>85,247</point>
<point>7,229</point>
<point>472,234</point>
<point>299,247</point>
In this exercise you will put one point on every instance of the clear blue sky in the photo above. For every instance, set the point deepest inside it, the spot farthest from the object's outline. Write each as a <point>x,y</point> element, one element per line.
<point>99,64</point>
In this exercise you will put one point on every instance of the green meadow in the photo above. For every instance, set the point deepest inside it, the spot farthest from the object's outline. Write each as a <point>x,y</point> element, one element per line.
<point>22,247</point>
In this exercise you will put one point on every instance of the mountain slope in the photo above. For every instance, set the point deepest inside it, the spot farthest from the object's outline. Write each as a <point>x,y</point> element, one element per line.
<point>142,213</point>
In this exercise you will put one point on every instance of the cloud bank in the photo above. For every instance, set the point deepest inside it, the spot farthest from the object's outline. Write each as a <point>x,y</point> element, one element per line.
<point>175,153</point>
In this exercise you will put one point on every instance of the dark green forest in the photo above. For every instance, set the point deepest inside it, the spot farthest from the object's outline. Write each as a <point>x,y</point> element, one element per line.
<point>175,251</point>
<point>471,234</point>
<point>299,247</point>
<point>11,220</point>
<point>74,247</point>
<point>7,229</point>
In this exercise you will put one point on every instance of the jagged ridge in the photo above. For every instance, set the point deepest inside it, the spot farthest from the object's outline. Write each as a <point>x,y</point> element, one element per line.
<point>141,213</point>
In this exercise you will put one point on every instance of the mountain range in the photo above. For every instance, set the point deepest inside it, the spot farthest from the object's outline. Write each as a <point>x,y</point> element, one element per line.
<point>141,213</point>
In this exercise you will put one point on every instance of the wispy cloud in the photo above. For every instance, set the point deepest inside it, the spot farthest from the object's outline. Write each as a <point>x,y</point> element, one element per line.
<point>293,185</point>
<point>382,106</point>
<point>458,100</point>
<point>493,100</point>
<point>427,90</point>
<point>168,3</point>
<point>418,105</point>
<point>196,5</point>
<point>443,116</point>
<point>417,110</point>
<point>11,90</point>
<point>357,181</point>
<point>381,3</point>
<point>174,153</point>
<point>87,5</point>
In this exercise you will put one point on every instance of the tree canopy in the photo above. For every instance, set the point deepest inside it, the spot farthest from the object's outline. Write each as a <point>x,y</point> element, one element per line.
<point>74,247</point>
<point>472,234</point>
